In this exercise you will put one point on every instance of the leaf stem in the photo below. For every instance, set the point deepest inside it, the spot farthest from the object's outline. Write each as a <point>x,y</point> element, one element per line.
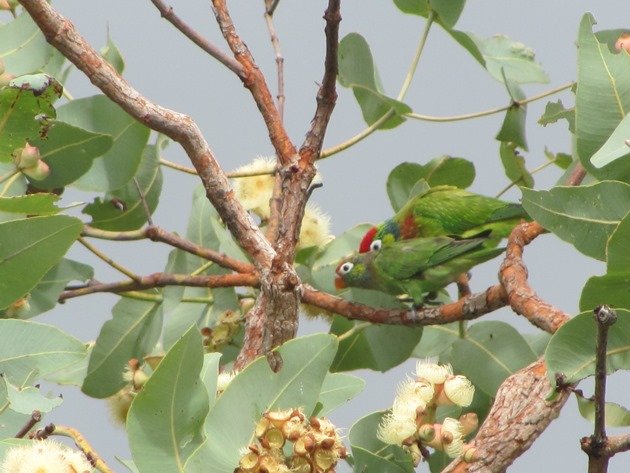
<point>492,111</point>
<point>84,445</point>
<point>356,328</point>
<point>414,63</point>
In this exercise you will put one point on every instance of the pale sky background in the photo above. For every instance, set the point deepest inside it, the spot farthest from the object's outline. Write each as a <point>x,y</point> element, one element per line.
<point>167,68</point>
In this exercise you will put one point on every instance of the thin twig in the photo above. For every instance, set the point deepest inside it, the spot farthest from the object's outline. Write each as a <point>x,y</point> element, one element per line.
<point>270,7</point>
<point>81,442</point>
<point>203,43</point>
<point>108,260</point>
<point>145,205</point>
<point>164,279</point>
<point>414,63</point>
<point>36,416</point>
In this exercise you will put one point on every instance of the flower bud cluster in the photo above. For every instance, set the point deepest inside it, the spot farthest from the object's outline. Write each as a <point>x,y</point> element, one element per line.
<point>316,445</point>
<point>45,456</point>
<point>29,162</point>
<point>227,326</point>
<point>411,422</point>
<point>120,402</point>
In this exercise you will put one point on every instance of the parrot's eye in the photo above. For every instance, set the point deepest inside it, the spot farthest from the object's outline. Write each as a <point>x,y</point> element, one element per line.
<point>345,268</point>
<point>376,245</point>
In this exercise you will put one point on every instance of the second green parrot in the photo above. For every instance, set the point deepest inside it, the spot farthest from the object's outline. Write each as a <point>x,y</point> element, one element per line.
<point>414,267</point>
<point>446,210</point>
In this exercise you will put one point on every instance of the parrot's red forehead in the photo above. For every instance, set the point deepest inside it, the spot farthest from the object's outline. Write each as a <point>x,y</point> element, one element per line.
<point>364,247</point>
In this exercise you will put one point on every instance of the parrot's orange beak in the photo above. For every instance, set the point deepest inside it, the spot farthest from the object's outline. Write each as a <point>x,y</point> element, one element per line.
<point>339,283</point>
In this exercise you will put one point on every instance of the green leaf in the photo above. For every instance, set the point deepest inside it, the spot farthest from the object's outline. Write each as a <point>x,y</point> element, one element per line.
<point>73,374</point>
<point>23,47</point>
<point>537,342</point>
<point>514,165</point>
<point>209,374</point>
<point>584,216</point>
<point>112,55</point>
<point>571,350</point>
<point>25,105</point>
<point>69,152</point>
<point>611,289</point>
<point>615,415</point>
<point>444,170</point>
<point>602,99</point>
<point>503,58</point>
<point>616,146</point>
<point>45,295</point>
<point>436,339</point>
<point>513,127</point>
<point>28,399</point>
<point>617,250</point>
<point>365,349</point>
<point>371,454</point>
<point>32,204</point>
<point>256,390</point>
<point>166,417</point>
<point>29,248</point>
<point>357,71</point>
<point>100,115</point>
<point>447,11</point>
<point>491,352</point>
<point>132,216</point>
<point>131,333</point>
<point>31,350</point>
<point>555,111</point>
<point>562,160</point>
<point>337,389</point>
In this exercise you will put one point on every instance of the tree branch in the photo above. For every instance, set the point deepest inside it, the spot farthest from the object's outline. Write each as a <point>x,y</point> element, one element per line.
<point>513,276</point>
<point>270,7</point>
<point>62,35</point>
<point>254,80</point>
<point>161,280</point>
<point>519,415</point>
<point>213,50</point>
<point>467,308</point>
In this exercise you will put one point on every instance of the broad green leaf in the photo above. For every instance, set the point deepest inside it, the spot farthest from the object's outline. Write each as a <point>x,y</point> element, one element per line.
<point>29,248</point>
<point>166,417</point>
<point>371,454</point>
<point>44,296</point>
<point>617,250</point>
<point>115,168</point>
<point>33,204</point>
<point>357,71</point>
<point>23,47</point>
<point>602,99</point>
<point>448,11</point>
<point>491,352</point>
<point>445,170</point>
<point>25,105</point>
<point>256,390</point>
<point>616,146</point>
<point>365,348</point>
<point>571,350</point>
<point>615,415</point>
<point>555,111</point>
<point>73,374</point>
<point>513,127</point>
<point>112,55</point>
<point>436,339</point>
<point>129,464</point>
<point>337,389</point>
<point>514,165</point>
<point>132,216</point>
<point>131,333</point>
<point>31,350</point>
<point>69,152</point>
<point>209,374</point>
<point>611,289</point>
<point>28,399</point>
<point>503,58</point>
<point>584,216</point>
<point>537,342</point>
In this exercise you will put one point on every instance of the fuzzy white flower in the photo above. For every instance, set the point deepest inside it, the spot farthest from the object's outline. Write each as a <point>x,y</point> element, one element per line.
<point>224,378</point>
<point>315,230</point>
<point>432,372</point>
<point>411,398</point>
<point>45,456</point>
<point>394,429</point>
<point>455,447</point>
<point>254,192</point>
<point>459,390</point>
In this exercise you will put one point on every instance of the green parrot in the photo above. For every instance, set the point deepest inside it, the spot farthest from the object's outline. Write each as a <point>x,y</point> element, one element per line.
<point>446,210</point>
<point>414,267</point>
